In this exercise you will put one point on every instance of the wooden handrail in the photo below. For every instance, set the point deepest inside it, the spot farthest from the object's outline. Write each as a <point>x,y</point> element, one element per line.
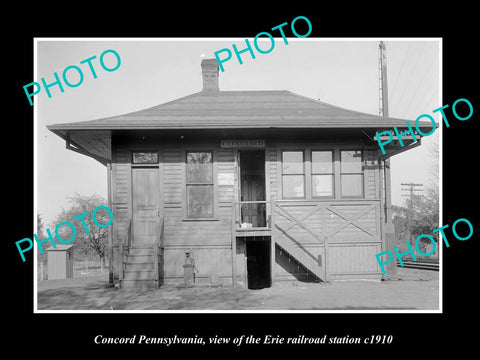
<point>156,253</point>
<point>237,215</point>
<point>253,202</point>
<point>127,235</point>
<point>234,244</point>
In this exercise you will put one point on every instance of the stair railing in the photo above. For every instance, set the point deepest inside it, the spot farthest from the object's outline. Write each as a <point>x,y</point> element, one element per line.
<point>323,240</point>
<point>157,251</point>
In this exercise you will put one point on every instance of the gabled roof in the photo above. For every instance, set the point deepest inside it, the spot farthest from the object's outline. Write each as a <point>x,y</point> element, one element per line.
<point>239,109</point>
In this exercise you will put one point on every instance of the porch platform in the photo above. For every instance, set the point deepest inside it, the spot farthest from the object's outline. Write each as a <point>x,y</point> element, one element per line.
<point>253,232</point>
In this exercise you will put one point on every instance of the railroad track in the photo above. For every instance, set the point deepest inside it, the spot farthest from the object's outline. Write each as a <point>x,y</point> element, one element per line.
<point>420,265</point>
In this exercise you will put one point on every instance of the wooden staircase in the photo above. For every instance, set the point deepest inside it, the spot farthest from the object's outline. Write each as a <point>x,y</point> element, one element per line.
<point>314,266</point>
<point>139,268</point>
<point>141,265</point>
<point>303,258</point>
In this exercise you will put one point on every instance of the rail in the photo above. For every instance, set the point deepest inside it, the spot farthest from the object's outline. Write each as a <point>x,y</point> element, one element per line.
<point>421,265</point>
<point>156,252</point>
<point>257,215</point>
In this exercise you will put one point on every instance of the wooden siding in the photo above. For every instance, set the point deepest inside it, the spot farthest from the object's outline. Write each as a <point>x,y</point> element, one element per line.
<point>352,227</point>
<point>370,170</point>
<point>350,231</point>
<point>272,168</point>
<point>172,176</point>
<point>329,219</point>
<point>209,260</point>
<point>350,258</point>
<point>121,179</point>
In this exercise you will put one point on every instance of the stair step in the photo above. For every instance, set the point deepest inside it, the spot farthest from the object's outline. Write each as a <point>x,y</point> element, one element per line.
<point>140,251</point>
<point>133,258</point>
<point>304,259</point>
<point>137,284</point>
<point>139,266</point>
<point>139,275</point>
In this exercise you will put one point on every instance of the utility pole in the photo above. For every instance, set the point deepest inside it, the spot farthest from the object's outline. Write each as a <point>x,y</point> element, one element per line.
<point>382,80</point>
<point>411,189</point>
<point>391,268</point>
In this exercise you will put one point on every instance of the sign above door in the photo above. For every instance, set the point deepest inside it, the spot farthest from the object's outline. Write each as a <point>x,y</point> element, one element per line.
<point>243,143</point>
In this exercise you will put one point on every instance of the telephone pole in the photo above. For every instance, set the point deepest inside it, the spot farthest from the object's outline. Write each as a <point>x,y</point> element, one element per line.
<point>410,193</point>
<point>382,80</point>
<point>391,268</point>
<point>411,189</point>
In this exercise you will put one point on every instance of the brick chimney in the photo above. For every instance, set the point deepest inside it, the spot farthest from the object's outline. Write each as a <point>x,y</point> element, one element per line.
<point>210,74</point>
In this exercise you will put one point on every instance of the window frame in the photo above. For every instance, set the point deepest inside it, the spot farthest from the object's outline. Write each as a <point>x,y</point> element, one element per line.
<point>332,151</point>
<point>308,171</point>
<point>304,174</point>
<point>193,149</point>
<point>362,173</point>
<point>144,164</point>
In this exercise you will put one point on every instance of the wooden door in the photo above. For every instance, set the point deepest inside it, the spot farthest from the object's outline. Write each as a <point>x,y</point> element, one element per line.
<point>253,189</point>
<point>145,208</point>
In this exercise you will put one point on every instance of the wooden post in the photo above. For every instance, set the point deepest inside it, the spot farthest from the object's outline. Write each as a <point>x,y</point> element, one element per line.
<point>120,271</point>
<point>234,244</point>
<point>155,262</point>
<point>272,241</point>
<point>325,241</point>
<point>391,268</point>
<point>389,228</point>
<point>109,232</point>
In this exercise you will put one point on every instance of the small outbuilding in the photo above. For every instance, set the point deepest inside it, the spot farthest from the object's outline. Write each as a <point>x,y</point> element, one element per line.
<point>60,262</point>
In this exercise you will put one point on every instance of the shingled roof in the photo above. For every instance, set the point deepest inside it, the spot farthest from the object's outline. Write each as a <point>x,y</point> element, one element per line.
<point>238,110</point>
<point>211,109</point>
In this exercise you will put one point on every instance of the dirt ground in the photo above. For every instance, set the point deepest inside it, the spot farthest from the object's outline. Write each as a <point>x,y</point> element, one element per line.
<point>413,290</point>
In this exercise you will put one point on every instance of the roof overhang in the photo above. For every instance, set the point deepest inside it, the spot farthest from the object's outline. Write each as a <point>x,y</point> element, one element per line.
<point>246,113</point>
<point>96,144</point>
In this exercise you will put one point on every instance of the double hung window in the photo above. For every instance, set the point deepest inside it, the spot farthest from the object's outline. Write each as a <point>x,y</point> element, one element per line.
<point>322,174</point>
<point>199,183</point>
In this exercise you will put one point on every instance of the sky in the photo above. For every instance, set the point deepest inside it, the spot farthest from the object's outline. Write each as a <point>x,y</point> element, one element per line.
<point>341,72</point>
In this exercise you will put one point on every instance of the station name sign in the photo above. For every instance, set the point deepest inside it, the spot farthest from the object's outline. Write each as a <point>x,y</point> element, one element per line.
<point>245,143</point>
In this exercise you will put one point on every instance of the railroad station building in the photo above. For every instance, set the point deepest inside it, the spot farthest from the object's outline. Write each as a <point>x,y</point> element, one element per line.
<point>259,188</point>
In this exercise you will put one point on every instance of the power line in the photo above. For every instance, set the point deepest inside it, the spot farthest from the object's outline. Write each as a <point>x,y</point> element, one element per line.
<point>420,82</point>
<point>400,72</point>
<point>410,77</point>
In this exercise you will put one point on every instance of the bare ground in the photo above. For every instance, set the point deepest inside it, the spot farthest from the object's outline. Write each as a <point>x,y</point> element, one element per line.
<point>412,290</point>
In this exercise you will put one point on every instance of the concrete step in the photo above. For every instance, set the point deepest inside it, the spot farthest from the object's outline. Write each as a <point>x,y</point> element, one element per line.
<point>137,284</point>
